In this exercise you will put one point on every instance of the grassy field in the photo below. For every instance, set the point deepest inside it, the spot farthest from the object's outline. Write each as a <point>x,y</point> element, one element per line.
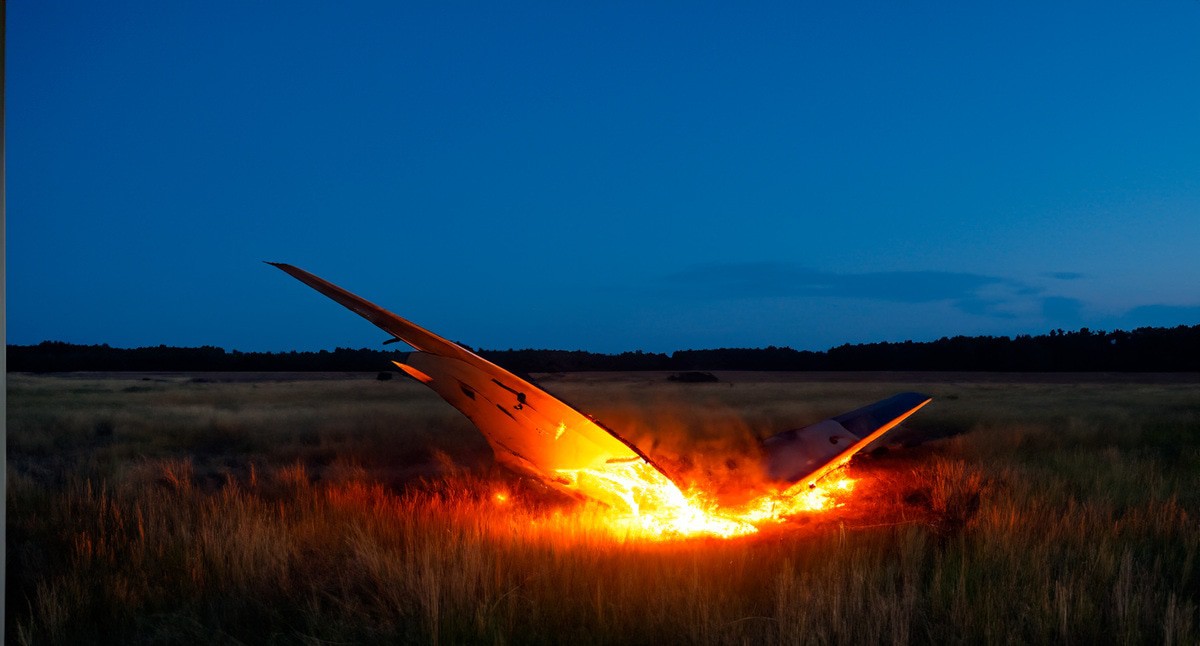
<point>170,509</point>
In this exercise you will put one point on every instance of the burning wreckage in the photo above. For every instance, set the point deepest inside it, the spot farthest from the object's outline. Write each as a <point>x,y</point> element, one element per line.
<point>534,434</point>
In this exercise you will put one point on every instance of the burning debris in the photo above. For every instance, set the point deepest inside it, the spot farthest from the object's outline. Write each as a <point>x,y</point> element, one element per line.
<point>533,433</point>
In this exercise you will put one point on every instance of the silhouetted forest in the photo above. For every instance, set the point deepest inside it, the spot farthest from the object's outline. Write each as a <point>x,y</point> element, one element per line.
<point>1141,350</point>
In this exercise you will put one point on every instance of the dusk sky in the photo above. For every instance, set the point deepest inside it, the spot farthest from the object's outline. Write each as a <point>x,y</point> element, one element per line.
<point>608,177</point>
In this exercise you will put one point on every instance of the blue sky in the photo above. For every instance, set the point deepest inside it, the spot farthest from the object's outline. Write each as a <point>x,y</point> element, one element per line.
<point>654,176</point>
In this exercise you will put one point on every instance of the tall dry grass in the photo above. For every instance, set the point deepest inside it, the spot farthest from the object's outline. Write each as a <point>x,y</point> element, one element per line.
<point>1049,513</point>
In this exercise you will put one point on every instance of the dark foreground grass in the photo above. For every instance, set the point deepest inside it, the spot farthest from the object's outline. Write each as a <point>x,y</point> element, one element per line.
<point>326,512</point>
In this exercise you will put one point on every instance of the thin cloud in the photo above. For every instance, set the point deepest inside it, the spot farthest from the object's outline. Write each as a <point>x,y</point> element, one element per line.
<point>982,295</point>
<point>1158,316</point>
<point>974,293</point>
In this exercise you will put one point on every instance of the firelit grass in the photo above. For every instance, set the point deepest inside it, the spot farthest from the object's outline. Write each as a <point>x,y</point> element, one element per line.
<point>360,511</point>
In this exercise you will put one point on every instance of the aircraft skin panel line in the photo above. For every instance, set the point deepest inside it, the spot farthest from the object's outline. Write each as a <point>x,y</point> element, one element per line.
<point>525,424</point>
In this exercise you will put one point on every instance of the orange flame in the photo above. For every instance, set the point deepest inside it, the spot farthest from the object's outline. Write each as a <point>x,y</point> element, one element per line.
<point>643,503</point>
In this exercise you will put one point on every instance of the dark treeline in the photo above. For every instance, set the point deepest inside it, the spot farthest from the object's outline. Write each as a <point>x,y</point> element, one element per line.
<point>1141,350</point>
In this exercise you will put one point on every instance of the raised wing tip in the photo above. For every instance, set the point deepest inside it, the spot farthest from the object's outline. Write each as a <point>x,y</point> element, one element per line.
<point>295,272</point>
<point>864,421</point>
<point>803,456</point>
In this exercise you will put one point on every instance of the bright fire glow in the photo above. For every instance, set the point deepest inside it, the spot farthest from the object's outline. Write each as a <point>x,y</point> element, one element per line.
<point>643,503</point>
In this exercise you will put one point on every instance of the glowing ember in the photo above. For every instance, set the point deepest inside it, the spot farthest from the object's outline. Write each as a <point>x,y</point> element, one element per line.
<point>643,503</point>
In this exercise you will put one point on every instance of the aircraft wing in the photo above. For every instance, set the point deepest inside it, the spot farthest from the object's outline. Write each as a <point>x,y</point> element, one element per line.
<point>803,456</point>
<point>528,429</point>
